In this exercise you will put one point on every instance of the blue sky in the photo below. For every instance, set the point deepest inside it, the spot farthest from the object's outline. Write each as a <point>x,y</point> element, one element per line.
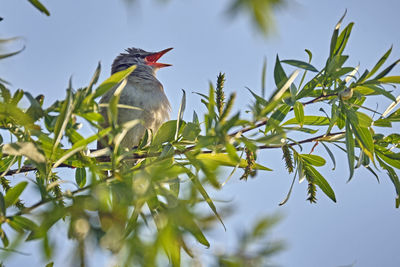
<point>362,227</point>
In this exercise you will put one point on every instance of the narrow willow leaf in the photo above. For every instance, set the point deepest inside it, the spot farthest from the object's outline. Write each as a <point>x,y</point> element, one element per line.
<point>330,155</point>
<point>383,123</point>
<point>224,160</point>
<point>39,6</point>
<point>372,89</point>
<point>386,71</point>
<point>26,149</point>
<point>309,120</point>
<point>277,117</point>
<point>390,79</point>
<point>2,205</point>
<point>94,79</point>
<point>195,119</point>
<point>350,149</point>
<point>300,64</point>
<point>263,77</point>
<point>389,159</point>
<point>279,93</point>
<point>63,118</point>
<point>279,74</point>
<point>80,145</point>
<point>13,194</point>
<point>112,81</point>
<point>191,131</point>
<point>391,107</point>
<point>335,35</point>
<point>313,159</point>
<point>166,133</point>
<point>12,54</point>
<point>320,181</point>
<point>352,74</point>
<point>283,202</point>
<point>381,61</point>
<point>365,139</point>
<point>343,38</point>
<point>393,177</point>
<point>205,195</point>
<point>258,98</point>
<point>363,119</point>
<point>182,107</point>
<point>4,238</point>
<point>299,112</point>
<point>80,177</point>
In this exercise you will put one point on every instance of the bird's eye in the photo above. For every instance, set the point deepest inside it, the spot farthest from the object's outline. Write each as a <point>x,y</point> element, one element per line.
<point>136,55</point>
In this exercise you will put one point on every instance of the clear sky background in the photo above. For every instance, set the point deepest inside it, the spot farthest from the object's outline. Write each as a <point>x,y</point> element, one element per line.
<point>361,228</point>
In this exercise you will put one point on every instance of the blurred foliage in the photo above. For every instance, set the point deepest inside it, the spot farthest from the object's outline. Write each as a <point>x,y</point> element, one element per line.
<point>253,249</point>
<point>261,12</point>
<point>146,205</point>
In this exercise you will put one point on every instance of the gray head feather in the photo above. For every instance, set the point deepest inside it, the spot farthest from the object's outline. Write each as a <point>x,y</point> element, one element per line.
<point>134,56</point>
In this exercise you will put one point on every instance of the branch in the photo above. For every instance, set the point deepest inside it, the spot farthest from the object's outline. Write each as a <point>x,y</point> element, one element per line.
<point>265,120</point>
<point>109,178</point>
<point>177,152</point>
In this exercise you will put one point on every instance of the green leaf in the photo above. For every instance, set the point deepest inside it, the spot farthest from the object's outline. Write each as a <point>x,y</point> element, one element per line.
<point>277,117</point>
<point>343,38</point>
<point>12,54</point>
<point>92,116</point>
<point>13,194</point>
<point>300,64</point>
<point>2,205</point>
<point>80,177</point>
<point>39,6</point>
<point>383,123</point>
<point>182,107</point>
<point>386,71</point>
<point>320,181</point>
<point>390,79</point>
<point>335,35</point>
<point>224,160</point>
<point>205,195</point>
<point>330,155</point>
<point>263,77</point>
<point>363,119</point>
<point>299,112</point>
<point>393,177</point>
<point>258,98</point>
<point>95,78</point>
<point>350,148</point>
<point>26,149</point>
<point>309,120</point>
<point>166,133</point>
<point>80,145</point>
<point>63,118</point>
<point>4,238</point>
<point>313,159</point>
<point>279,74</point>
<point>381,61</point>
<point>191,131</point>
<point>389,159</point>
<point>369,89</point>
<point>112,81</point>
<point>365,139</point>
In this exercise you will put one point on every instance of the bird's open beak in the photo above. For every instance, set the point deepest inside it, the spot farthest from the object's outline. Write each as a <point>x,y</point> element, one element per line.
<point>152,58</point>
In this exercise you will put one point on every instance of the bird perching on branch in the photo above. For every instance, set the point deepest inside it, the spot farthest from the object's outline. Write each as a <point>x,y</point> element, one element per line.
<point>143,96</point>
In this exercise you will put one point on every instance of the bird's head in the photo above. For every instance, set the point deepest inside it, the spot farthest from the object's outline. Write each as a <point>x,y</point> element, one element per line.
<point>147,61</point>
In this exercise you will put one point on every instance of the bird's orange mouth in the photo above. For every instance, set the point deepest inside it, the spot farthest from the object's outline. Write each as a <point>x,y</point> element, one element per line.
<point>151,59</point>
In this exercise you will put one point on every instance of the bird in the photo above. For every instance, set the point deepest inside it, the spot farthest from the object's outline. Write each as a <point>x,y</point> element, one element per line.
<point>142,91</point>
